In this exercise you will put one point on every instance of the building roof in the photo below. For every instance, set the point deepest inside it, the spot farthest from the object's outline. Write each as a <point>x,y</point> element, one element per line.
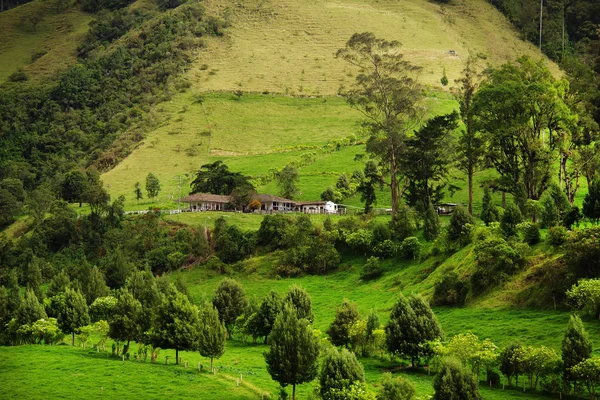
<point>311,203</point>
<point>216,198</point>
<point>263,198</point>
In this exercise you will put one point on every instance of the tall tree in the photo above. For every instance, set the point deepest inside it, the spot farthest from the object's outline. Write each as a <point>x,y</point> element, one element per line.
<point>212,334</point>
<point>300,299</point>
<point>455,382</point>
<point>427,325</point>
<point>427,159</point>
<point>267,313</point>
<point>345,316</point>
<point>137,190</point>
<point>152,185</point>
<point>217,179</point>
<point>125,320</point>
<point>230,300</point>
<point>388,95</point>
<point>293,352</point>
<point>73,313</point>
<point>287,181</point>
<point>470,142</point>
<point>576,346</point>
<point>369,184</point>
<point>403,336</point>
<point>30,309</point>
<point>431,223</point>
<point>339,371</point>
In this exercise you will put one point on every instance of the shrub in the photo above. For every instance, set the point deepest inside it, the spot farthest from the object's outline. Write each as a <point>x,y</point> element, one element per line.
<point>510,219</point>
<point>496,260</point>
<point>460,227</point>
<point>386,249</point>
<point>411,248</point>
<point>557,235</point>
<point>530,232</point>
<point>371,269</point>
<point>404,225</point>
<point>583,252</point>
<point>450,290</point>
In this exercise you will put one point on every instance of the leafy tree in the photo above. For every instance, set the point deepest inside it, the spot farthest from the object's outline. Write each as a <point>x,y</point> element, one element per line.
<point>450,290</point>
<point>427,159</point>
<point>96,286</point>
<point>388,96</point>
<point>175,324</point>
<point>403,335</point>
<point>298,298</point>
<point>287,181</point>
<point>591,201</point>
<point>496,259</point>
<point>576,347</point>
<point>489,211</point>
<point>585,295</point>
<point>9,207</point>
<point>152,185</point>
<point>460,226</point>
<point>30,309</point>
<point>102,308</point>
<point>339,370</point>
<point>510,219</point>
<point>427,325</point>
<point>583,252</point>
<point>293,352</point>
<point>34,278</point>
<point>272,229</point>
<point>137,190</point>
<point>588,372</point>
<point>371,269</point>
<point>73,313</point>
<point>404,225</point>
<point>339,330</point>
<point>367,186</point>
<point>470,142</point>
<point>212,334</point>
<point>411,248</point>
<point>554,206</point>
<point>431,224</point>
<point>74,187</point>
<point>455,382</point>
<point>116,268</point>
<point>509,364</point>
<point>398,388</point>
<point>217,179</point>
<point>269,309</point>
<point>125,318</point>
<point>230,300</point>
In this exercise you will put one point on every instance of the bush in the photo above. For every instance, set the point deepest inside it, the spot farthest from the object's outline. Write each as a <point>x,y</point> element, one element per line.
<point>371,269</point>
<point>557,235</point>
<point>411,248</point>
<point>531,233</point>
<point>398,388</point>
<point>386,249</point>
<point>404,225</point>
<point>510,219</point>
<point>450,290</point>
<point>496,260</point>
<point>461,227</point>
<point>583,252</point>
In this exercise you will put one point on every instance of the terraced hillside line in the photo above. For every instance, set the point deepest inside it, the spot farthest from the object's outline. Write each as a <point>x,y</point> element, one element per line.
<point>287,46</point>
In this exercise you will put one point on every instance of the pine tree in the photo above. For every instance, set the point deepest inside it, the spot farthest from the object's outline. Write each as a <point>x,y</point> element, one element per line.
<point>73,313</point>
<point>455,382</point>
<point>339,370</point>
<point>510,219</point>
<point>458,227</point>
<point>267,313</point>
<point>427,324</point>
<point>125,321</point>
<point>230,300</point>
<point>403,337</point>
<point>576,346</point>
<point>212,334</point>
<point>489,211</point>
<point>294,350</point>
<point>30,309</point>
<point>300,299</point>
<point>431,224</point>
<point>345,316</point>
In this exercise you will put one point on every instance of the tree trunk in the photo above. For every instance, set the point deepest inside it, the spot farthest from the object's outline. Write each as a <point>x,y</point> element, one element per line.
<point>176,356</point>
<point>470,173</point>
<point>73,338</point>
<point>294,391</point>
<point>211,364</point>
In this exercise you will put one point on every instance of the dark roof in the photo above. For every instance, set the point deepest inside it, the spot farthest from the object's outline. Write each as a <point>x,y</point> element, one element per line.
<point>217,198</point>
<point>310,203</point>
<point>263,198</point>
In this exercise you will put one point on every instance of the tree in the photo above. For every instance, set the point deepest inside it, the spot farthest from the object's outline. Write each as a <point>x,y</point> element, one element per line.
<point>30,309</point>
<point>585,295</point>
<point>369,184</point>
<point>588,372</point>
<point>287,181</point>
<point>267,313</point>
<point>212,334</point>
<point>152,185</point>
<point>217,179</point>
<point>339,370</point>
<point>293,352</point>
<point>427,159</point>
<point>591,201</point>
<point>554,206</point>
<point>510,219</point>
<point>175,324</point>
<point>96,285</point>
<point>58,284</point>
<point>470,142</point>
<point>230,300</point>
<point>345,316</point>
<point>34,278</point>
<point>9,207</point>
<point>508,362</point>
<point>455,382</point>
<point>520,108</point>
<point>387,94</point>
<point>403,336</point>
<point>427,325</point>
<point>489,211</point>
<point>74,186</point>
<point>125,319</point>
<point>137,190</point>
<point>431,223</point>
<point>398,388</point>
<point>300,300</point>
<point>576,347</point>
<point>73,313</point>
<point>460,226</point>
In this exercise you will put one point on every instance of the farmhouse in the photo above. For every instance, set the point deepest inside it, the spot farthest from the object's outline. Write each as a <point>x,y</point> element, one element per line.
<point>317,207</point>
<point>206,201</point>
<point>269,202</point>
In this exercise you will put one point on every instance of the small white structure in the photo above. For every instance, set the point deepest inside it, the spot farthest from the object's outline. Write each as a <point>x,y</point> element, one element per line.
<point>317,207</point>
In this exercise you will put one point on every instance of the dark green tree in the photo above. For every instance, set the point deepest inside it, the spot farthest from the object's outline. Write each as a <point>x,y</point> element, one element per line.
<point>455,382</point>
<point>231,302</point>
<point>591,201</point>
<point>293,352</point>
<point>34,278</point>
<point>287,181</point>
<point>398,388</point>
<point>427,325</point>
<point>270,307</point>
<point>489,211</point>
<point>509,363</point>
<point>152,185</point>
<point>116,268</point>
<point>125,320</point>
<point>339,330</point>
<point>387,94</point>
<point>217,179</point>
<point>367,186</point>
<point>300,299</point>
<point>427,159</point>
<point>460,226</point>
<point>175,324</point>
<point>74,187</point>
<point>95,286</point>
<point>339,370</point>
<point>576,346</point>
<point>13,291</point>
<point>30,309</point>
<point>212,334</point>
<point>137,190</point>
<point>431,223</point>
<point>73,313</point>
<point>58,284</point>
<point>510,219</point>
<point>403,336</point>
<point>9,207</point>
